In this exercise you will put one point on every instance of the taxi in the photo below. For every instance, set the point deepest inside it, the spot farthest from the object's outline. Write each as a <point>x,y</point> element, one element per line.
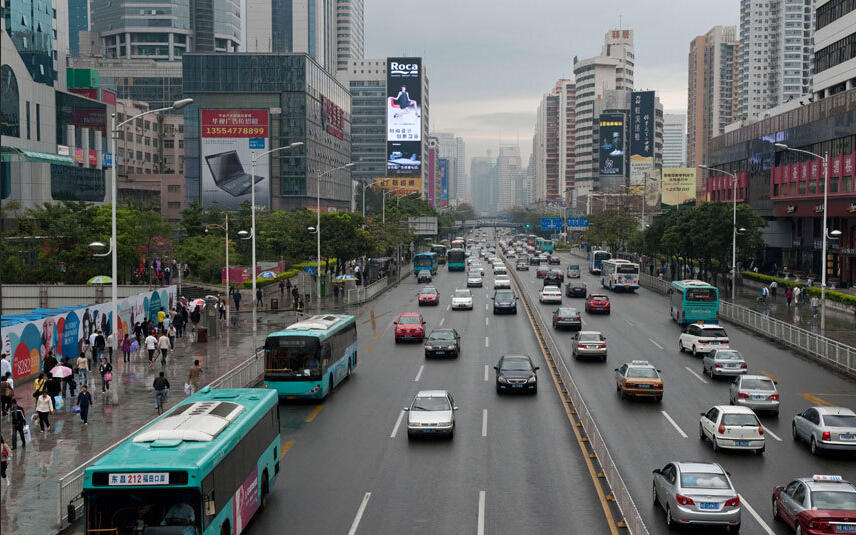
<point>409,326</point>
<point>638,378</point>
<point>816,505</point>
<point>429,296</point>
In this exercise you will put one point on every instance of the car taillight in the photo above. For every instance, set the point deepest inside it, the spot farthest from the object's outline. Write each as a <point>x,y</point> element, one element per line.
<point>683,500</point>
<point>826,436</point>
<point>581,347</point>
<point>725,341</point>
<point>733,502</point>
<point>773,396</point>
<point>602,346</point>
<point>742,395</point>
<point>820,525</point>
<point>683,314</point>
<point>744,366</point>
<point>761,430</point>
<point>704,341</point>
<point>658,386</point>
<point>721,429</point>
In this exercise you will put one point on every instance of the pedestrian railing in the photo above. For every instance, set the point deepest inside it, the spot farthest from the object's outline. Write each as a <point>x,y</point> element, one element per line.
<point>70,496</point>
<point>661,286</point>
<point>361,294</point>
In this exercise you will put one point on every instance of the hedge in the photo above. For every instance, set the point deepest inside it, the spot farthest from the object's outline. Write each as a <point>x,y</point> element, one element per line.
<point>288,274</point>
<point>832,295</point>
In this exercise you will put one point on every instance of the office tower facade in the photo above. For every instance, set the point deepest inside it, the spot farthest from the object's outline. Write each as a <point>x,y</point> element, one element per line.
<point>350,32</point>
<point>285,26</point>
<point>453,149</point>
<point>509,177</point>
<point>463,188</point>
<point>674,139</point>
<point>835,30</point>
<point>776,53</point>
<point>554,144</point>
<point>481,174</point>
<point>78,21</point>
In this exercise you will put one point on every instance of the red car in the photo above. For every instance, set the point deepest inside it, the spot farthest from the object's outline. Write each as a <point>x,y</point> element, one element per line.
<point>816,505</point>
<point>429,296</point>
<point>541,272</point>
<point>597,303</point>
<point>409,326</point>
<point>553,260</point>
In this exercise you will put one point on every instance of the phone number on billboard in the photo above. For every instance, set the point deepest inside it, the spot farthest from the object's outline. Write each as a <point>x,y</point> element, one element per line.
<point>235,131</point>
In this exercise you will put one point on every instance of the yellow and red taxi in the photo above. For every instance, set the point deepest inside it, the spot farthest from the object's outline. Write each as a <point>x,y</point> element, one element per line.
<point>639,378</point>
<point>429,296</point>
<point>409,326</point>
<point>816,505</point>
<point>597,303</point>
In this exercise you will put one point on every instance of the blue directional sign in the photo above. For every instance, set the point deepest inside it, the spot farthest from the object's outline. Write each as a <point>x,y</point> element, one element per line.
<point>551,223</point>
<point>578,223</point>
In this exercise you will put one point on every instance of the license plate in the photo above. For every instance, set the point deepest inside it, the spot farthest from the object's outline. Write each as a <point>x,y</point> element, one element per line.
<point>714,343</point>
<point>845,529</point>
<point>591,347</point>
<point>643,386</point>
<point>848,437</point>
<point>708,505</point>
<point>517,386</point>
<point>429,430</point>
<point>741,442</point>
<point>731,365</point>
<point>758,398</point>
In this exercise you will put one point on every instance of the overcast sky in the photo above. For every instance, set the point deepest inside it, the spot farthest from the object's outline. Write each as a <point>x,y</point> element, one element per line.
<point>489,61</point>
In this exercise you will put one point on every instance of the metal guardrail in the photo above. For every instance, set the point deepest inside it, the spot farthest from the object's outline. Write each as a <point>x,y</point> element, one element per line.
<point>70,496</point>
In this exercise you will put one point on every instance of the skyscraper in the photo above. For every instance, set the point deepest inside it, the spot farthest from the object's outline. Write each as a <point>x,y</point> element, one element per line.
<point>481,169</point>
<point>78,21</point>
<point>350,31</point>
<point>307,26</point>
<point>509,177</point>
<point>453,149</point>
<point>674,139</point>
<point>833,71</point>
<point>554,143</point>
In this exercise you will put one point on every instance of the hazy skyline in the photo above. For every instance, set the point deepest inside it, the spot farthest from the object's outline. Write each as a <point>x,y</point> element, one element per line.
<point>490,62</point>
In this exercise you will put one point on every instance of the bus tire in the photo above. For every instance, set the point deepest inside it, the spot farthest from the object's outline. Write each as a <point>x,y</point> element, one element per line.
<point>265,490</point>
<point>225,528</point>
<point>349,369</point>
<point>330,385</point>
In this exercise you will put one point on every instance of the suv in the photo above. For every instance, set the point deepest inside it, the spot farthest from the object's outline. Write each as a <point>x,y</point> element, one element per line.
<point>553,279</point>
<point>700,338</point>
<point>504,301</point>
<point>534,261</point>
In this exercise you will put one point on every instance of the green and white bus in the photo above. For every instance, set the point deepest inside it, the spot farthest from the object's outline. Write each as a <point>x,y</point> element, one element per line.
<point>309,358</point>
<point>203,468</point>
<point>693,301</point>
<point>457,259</point>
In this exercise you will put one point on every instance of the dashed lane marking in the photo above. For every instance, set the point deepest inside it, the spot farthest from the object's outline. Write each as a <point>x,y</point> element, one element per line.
<point>655,343</point>
<point>480,525</point>
<point>487,341</point>
<point>314,413</point>
<point>419,373</point>
<point>285,447</point>
<point>397,424</point>
<point>816,400</point>
<point>770,375</point>
<point>360,511</point>
<point>484,422</point>
<point>756,516</point>
<point>486,372</point>
<point>697,376</point>
<point>674,424</point>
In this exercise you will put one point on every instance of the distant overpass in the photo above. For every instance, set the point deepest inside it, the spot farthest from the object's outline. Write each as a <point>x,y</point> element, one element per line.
<point>486,222</point>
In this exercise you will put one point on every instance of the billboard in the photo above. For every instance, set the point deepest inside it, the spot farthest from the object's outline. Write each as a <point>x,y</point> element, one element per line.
<point>612,144</point>
<point>228,138</point>
<point>641,138</point>
<point>401,186</point>
<point>678,186</point>
<point>404,117</point>
<point>443,170</point>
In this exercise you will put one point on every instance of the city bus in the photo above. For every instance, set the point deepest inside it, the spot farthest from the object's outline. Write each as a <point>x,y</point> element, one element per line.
<point>692,301</point>
<point>595,259</point>
<point>459,243</point>
<point>309,358</point>
<point>457,259</point>
<point>425,261</point>
<point>544,245</point>
<point>203,468</point>
<point>620,274</point>
<point>441,252</point>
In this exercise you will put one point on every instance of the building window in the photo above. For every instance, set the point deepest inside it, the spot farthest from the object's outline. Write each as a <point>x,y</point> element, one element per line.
<point>38,122</point>
<point>845,184</point>
<point>9,103</point>
<point>833,184</point>
<point>28,119</point>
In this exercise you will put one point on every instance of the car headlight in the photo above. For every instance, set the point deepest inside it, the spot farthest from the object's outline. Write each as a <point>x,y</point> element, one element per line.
<point>531,379</point>
<point>502,379</point>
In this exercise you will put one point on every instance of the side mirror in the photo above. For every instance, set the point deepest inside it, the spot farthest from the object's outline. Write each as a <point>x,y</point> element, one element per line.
<point>655,471</point>
<point>395,323</point>
<point>659,371</point>
<point>777,487</point>
<point>455,408</point>
<point>536,368</point>
<point>496,368</point>
<point>702,413</point>
<point>405,409</point>
<point>615,369</point>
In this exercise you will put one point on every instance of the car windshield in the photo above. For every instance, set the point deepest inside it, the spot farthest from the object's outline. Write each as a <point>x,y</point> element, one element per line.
<point>714,333</point>
<point>839,420</point>
<point>642,373</point>
<point>599,298</point>
<point>409,320</point>
<point>504,296</point>
<point>430,404</point>
<point>728,355</point>
<point>833,500</point>
<point>429,291</point>
<point>590,337</point>
<point>442,335</point>
<point>753,383</point>
<point>699,480</point>
<point>745,420</point>
<point>516,365</point>
<point>475,274</point>
<point>573,266</point>
<point>550,289</point>
<point>567,312</point>
<point>462,293</point>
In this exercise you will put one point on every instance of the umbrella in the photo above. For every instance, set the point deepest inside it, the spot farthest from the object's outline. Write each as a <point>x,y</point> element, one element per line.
<point>100,279</point>
<point>198,302</point>
<point>60,371</point>
<point>134,346</point>
<point>343,278</point>
<point>267,275</point>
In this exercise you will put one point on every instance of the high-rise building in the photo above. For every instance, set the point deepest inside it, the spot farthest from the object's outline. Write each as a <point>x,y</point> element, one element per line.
<point>712,91</point>
<point>78,21</point>
<point>835,31</point>
<point>454,149</point>
<point>484,188</point>
<point>612,69</point>
<point>350,32</point>
<point>554,144</point>
<point>463,188</point>
<point>776,53</point>
<point>509,177</point>
<point>674,139</point>
<point>282,26</point>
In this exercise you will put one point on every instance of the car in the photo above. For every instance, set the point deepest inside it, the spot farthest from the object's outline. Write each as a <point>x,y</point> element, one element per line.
<point>589,344</point>
<point>504,302</point>
<point>597,303</point>
<point>409,326</point>
<point>541,272</point>
<point>423,276</point>
<point>474,279</point>
<point>816,505</point>
<point>700,338</point>
<point>534,261</point>
<point>521,265</point>
<point>477,266</point>
<point>723,362</point>
<point>443,343</point>
<point>516,373</point>
<point>697,493</point>
<point>429,296</point>
<point>542,258</point>
<point>555,276</point>
<point>826,429</point>
<point>638,378</point>
<point>431,413</point>
<point>462,299</point>
<point>567,317</point>
<point>574,271</point>
<point>509,254</point>
<point>730,427</point>
<point>576,289</point>
<point>554,260</point>
<point>551,294</point>
<point>499,269</point>
<point>501,281</point>
<point>758,392</point>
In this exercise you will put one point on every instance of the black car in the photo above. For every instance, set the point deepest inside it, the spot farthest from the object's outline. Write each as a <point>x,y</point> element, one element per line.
<point>576,289</point>
<point>516,373</point>
<point>553,278</point>
<point>567,317</point>
<point>521,265</point>
<point>534,261</point>
<point>504,302</point>
<point>443,343</point>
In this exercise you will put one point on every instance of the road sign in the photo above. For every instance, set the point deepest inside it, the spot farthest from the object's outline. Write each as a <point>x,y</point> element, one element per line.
<point>551,223</point>
<point>578,223</point>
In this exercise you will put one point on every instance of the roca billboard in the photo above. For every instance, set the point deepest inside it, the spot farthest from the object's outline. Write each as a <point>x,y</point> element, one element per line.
<point>404,117</point>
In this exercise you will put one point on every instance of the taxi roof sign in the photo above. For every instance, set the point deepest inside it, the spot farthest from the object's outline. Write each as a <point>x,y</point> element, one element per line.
<point>643,362</point>
<point>819,477</point>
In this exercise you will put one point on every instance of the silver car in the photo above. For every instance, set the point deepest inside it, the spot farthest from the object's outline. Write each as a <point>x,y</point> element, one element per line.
<point>723,362</point>
<point>697,493</point>
<point>431,413</point>
<point>826,428</point>
<point>758,392</point>
<point>589,344</point>
<point>474,278</point>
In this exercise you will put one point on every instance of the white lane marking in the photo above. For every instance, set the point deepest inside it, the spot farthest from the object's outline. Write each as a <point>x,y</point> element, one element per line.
<point>756,516</point>
<point>486,372</point>
<point>697,376</point>
<point>442,321</point>
<point>397,424</point>
<point>485,321</point>
<point>486,306</point>
<point>767,430</point>
<point>487,341</point>
<point>419,373</point>
<point>630,323</point>
<point>484,422</point>
<point>360,511</point>
<point>655,343</point>
<point>480,529</point>
<point>448,307</point>
<point>674,424</point>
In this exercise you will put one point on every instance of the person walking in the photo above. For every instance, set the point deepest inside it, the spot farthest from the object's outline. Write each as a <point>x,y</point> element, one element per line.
<point>161,386</point>
<point>161,316</point>
<point>789,296</point>
<point>797,292</point>
<point>100,344</point>
<point>82,364</point>
<point>281,289</point>
<point>335,293</point>
<point>193,376</point>
<point>151,345</point>
<point>171,335</point>
<point>4,460</point>
<point>49,363</point>
<point>295,295</point>
<point>163,345</point>
<point>259,302</point>
<point>106,371</point>
<point>7,392</point>
<point>236,297</point>
<point>221,307</point>
<point>773,287</point>
<point>44,408</point>
<point>68,382</point>
<point>126,349</point>
<point>39,385</point>
<point>815,304</point>
<point>19,420</point>
<point>288,286</point>
<point>5,365</point>
<point>84,400</point>
<point>111,344</point>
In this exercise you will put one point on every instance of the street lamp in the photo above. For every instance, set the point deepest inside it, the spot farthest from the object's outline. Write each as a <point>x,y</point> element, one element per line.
<point>734,230</point>
<point>228,297</point>
<point>827,235</point>
<point>318,232</point>
<point>383,200</point>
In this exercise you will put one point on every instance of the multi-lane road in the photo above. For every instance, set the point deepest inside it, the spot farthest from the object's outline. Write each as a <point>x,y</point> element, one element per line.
<point>514,465</point>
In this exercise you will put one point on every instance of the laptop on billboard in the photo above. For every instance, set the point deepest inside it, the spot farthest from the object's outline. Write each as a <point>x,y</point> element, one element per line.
<point>229,175</point>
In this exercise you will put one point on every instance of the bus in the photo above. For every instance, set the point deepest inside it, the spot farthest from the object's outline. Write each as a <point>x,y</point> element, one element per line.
<point>205,467</point>
<point>595,259</point>
<point>309,358</point>
<point>457,259</point>
<point>425,261</point>
<point>459,243</point>
<point>544,245</point>
<point>692,301</point>
<point>618,274</point>
<point>441,252</point>
<point>531,240</point>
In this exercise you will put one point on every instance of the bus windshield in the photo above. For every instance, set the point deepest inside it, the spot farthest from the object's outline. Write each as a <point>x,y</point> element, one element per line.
<point>167,510</point>
<point>422,261</point>
<point>295,356</point>
<point>456,255</point>
<point>701,294</point>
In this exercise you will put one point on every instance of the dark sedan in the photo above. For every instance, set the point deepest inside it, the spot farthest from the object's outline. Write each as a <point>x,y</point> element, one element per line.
<point>567,318</point>
<point>576,289</point>
<point>443,343</point>
<point>534,261</point>
<point>521,265</point>
<point>504,302</point>
<point>516,374</point>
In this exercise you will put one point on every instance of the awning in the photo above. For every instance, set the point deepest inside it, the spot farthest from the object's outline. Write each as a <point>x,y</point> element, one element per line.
<point>11,154</point>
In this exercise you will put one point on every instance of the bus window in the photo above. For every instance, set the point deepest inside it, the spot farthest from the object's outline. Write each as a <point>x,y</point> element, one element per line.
<point>295,356</point>
<point>701,294</point>
<point>134,510</point>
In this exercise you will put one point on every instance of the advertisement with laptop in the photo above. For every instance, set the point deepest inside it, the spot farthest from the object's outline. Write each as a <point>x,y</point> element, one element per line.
<point>228,139</point>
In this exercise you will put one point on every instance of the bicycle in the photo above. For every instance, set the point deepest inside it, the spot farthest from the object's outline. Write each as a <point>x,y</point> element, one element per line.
<point>160,400</point>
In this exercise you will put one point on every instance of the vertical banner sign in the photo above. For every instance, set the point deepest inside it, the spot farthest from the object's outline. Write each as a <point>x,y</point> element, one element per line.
<point>612,144</point>
<point>678,186</point>
<point>641,139</point>
<point>228,138</point>
<point>404,117</point>
<point>443,166</point>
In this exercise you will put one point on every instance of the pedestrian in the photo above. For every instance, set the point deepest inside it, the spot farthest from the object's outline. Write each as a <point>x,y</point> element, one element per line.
<point>99,345</point>
<point>171,334</point>
<point>19,420</point>
<point>92,338</point>
<point>68,381</point>
<point>4,460</point>
<point>126,349</point>
<point>82,364</point>
<point>8,378</point>
<point>5,365</point>
<point>161,386</point>
<point>259,298</point>
<point>39,385</point>
<point>138,333</point>
<point>815,303</point>
<point>797,292</point>
<point>773,287</point>
<point>809,282</point>
<point>281,289</point>
<point>167,321</point>
<point>195,316</point>
<point>295,295</point>
<point>111,343</point>
<point>789,296</point>
<point>221,307</point>
<point>151,345</point>
<point>237,299</point>
<point>193,376</point>
<point>167,274</point>
<point>49,363</point>
<point>163,345</point>
<point>7,392</point>
<point>106,371</point>
<point>763,293</point>
<point>44,408</point>
<point>84,400</point>
<point>335,293</point>
<point>185,315</point>
<point>288,286</point>
<point>161,316</point>
<point>300,305</point>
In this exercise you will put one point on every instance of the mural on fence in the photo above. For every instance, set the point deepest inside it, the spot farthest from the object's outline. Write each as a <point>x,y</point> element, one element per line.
<point>28,343</point>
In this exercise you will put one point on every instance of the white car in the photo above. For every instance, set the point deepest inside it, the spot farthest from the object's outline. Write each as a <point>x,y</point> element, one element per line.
<point>462,300</point>
<point>501,282</point>
<point>700,338</point>
<point>476,266</point>
<point>730,427</point>
<point>500,269</point>
<point>510,254</point>
<point>551,294</point>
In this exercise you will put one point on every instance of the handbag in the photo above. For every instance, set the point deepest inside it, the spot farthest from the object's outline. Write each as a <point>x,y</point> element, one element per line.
<point>28,437</point>
<point>108,376</point>
<point>59,403</point>
<point>75,409</point>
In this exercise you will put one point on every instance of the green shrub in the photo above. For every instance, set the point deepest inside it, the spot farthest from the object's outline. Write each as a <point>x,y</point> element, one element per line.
<point>832,295</point>
<point>261,283</point>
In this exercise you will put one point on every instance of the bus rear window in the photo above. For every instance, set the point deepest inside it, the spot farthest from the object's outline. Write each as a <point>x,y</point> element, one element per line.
<point>628,269</point>
<point>701,294</point>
